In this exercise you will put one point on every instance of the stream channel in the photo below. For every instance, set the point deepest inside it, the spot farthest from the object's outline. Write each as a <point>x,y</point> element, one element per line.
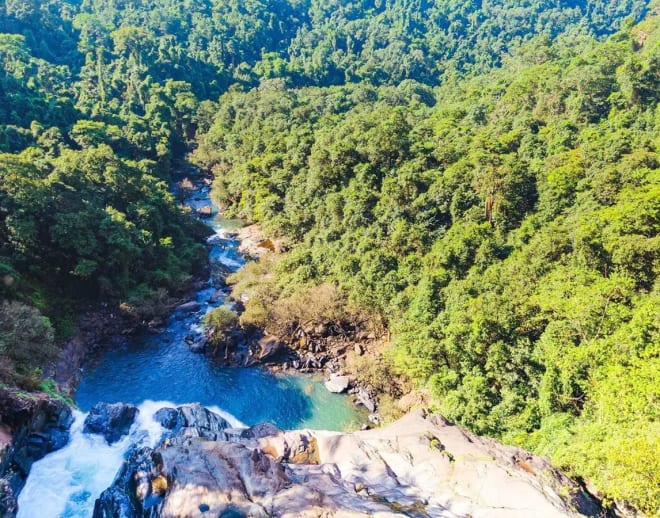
<point>153,370</point>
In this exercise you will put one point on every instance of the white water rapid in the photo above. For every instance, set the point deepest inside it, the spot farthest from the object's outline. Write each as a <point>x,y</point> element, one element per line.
<point>66,483</point>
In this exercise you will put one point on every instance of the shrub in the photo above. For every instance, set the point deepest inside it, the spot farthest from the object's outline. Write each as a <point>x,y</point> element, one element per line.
<point>26,340</point>
<point>220,322</point>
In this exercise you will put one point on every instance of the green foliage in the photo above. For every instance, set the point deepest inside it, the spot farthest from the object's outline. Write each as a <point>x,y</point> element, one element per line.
<point>281,310</point>
<point>482,178</point>
<point>50,387</point>
<point>26,342</point>
<point>113,62</point>
<point>506,231</point>
<point>220,322</point>
<point>103,222</point>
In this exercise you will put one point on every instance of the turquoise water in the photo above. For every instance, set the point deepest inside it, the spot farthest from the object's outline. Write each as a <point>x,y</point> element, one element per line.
<point>160,367</point>
<point>148,368</point>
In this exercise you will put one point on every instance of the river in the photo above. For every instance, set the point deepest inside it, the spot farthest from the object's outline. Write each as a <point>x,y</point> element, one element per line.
<point>152,370</point>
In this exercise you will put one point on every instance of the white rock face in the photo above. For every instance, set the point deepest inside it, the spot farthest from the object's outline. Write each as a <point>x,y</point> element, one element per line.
<point>420,466</point>
<point>338,384</point>
<point>427,466</point>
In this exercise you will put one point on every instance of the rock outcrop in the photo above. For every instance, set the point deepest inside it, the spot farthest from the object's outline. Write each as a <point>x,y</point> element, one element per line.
<point>192,421</point>
<point>254,244</point>
<point>31,426</point>
<point>189,307</point>
<point>111,420</point>
<point>338,384</point>
<point>419,466</point>
<point>269,347</point>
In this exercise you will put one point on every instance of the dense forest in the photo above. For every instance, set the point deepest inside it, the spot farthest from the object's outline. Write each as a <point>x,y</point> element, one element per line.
<point>505,226</point>
<point>480,177</point>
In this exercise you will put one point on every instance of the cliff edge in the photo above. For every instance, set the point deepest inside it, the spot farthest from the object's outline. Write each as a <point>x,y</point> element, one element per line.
<point>419,466</point>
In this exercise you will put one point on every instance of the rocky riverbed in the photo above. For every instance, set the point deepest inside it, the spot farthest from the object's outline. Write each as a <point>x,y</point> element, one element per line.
<point>31,427</point>
<point>420,466</point>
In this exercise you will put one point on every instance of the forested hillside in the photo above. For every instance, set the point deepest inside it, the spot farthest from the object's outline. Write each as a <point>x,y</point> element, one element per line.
<point>480,177</point>
<point>505,227</point>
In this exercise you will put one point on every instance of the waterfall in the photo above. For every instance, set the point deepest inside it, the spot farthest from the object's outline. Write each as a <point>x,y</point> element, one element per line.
<point>66,483</point>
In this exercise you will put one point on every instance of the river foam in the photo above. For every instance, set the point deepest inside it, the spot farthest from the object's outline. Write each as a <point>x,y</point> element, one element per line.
<point>66,483</point>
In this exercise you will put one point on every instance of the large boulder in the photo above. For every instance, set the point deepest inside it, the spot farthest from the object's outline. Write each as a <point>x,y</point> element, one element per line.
<point>192,421</point>
<point>269,347</point>
<point>366,399</point>
<point>115,502</point>
<point>205,212</point>
<point>338,384</point>
<point>189,307</point>
<point>30,428</point>
<point>131,492</point>
<point>253,243</point>
<point>202,478</point>
<point>168,418</point>
<point>111,420</point>
<point>260,430</point>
